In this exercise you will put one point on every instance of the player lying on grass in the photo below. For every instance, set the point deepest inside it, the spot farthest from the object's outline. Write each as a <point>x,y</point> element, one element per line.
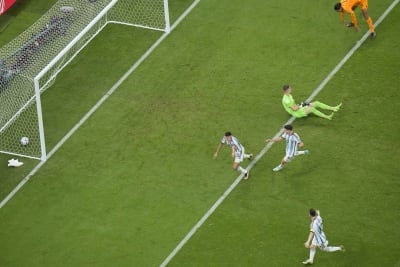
<point>349,6</point>
<point>304,109</point>
<point>317,237</point>
<point>292,142</point>
<point>237,152</point>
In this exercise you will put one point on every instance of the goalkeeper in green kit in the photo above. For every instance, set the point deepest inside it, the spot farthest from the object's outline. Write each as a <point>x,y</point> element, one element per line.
<point>305,108</point>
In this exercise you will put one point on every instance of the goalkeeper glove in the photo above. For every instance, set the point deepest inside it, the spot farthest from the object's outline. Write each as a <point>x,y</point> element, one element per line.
<point>303,104</point>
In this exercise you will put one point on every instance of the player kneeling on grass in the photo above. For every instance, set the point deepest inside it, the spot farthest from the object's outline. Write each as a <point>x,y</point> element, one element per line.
<point>292,142</point>
<point>317,237</point>
<point>237,152</point>
<point>305,108</point>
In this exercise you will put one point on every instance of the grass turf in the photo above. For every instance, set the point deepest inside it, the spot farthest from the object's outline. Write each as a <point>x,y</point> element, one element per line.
<point>127,187</point>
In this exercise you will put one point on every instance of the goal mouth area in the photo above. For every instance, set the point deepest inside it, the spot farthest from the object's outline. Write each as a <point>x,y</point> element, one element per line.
<point>30,63</point>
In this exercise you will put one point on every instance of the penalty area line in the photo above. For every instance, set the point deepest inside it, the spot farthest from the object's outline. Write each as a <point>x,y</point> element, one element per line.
<point>268,145</point>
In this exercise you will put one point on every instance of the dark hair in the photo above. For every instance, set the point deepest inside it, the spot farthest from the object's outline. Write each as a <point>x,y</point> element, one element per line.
<point>288,127</point>
<point>337,6</point>
<point>313,212</point>
<point>285,87</point>
<point>228,134</point>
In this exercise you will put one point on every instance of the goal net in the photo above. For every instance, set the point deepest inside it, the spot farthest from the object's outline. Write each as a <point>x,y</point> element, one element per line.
<point>30,63</point>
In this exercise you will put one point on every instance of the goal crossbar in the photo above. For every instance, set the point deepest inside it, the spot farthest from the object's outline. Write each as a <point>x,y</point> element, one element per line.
<point>30,63</point>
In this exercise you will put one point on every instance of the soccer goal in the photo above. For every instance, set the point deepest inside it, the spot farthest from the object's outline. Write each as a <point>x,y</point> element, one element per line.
<point>30,63</point>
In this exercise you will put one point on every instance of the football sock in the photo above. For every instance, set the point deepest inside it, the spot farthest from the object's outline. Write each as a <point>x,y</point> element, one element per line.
<point>312,253</point>
<point>332,249</point>
<point>300,153</point>
<point>322,105</point>
<point>320,114</point>
<point>240,169</point>
<point>370,24</point>
<point>337,107</point>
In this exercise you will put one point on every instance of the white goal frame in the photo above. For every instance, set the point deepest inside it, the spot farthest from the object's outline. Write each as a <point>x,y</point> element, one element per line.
<point>43,80</point>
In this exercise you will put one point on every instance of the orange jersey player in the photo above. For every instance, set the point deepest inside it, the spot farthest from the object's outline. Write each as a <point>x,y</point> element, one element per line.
<point>348,6</point>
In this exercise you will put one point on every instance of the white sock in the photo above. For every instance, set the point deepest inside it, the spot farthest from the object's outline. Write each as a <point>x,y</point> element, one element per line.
<point>312,253</point>
<point>240,169</point>
<point>300,153</point>
<point>332,249</point>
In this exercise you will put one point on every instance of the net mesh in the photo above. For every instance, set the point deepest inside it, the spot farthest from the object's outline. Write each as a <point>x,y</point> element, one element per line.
<point>44,49</point>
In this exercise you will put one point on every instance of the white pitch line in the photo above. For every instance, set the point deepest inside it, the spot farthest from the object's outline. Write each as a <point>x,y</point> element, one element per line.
<point>268,145</point>
<point>96,106</point>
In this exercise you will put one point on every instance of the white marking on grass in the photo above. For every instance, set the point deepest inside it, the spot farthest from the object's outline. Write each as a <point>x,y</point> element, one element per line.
<point>268,145</point>
<point>96,106</point>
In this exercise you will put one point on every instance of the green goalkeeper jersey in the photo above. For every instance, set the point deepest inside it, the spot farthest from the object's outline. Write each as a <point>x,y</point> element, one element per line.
<point>287,102</point>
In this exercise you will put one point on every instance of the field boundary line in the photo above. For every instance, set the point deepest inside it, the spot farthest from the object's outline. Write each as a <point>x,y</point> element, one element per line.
<point>97,105</point>
<point>269,145</point>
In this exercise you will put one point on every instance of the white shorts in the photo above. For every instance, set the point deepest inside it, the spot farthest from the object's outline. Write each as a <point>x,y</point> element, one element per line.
<point>239,156</point>
<point>320,245</point>
<point>288,158</point>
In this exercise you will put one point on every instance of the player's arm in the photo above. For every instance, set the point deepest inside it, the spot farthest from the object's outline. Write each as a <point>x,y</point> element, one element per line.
<point>354,20</point>
<point>342,16</point>
<point>307,244</point>
<point>352,17</point>
<point>295,107</point>
<point>218,150</point>
<point>233,151</point>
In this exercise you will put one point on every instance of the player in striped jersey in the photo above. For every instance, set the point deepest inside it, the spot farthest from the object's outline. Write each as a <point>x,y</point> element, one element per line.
<point>292,142</point>
<point>317,237</point>
<point>238,152</point>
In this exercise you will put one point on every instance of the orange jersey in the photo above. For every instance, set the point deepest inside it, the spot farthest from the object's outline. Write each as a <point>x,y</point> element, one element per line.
<point>349,6</point>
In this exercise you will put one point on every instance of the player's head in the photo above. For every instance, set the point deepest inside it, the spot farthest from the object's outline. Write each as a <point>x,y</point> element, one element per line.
<point>338,7</point>
<point>286,87</point>
<point>288,127</point>
<point>228,136</point>
<point>313,212</point>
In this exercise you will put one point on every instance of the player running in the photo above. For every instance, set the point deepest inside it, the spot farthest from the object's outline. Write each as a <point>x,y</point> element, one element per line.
<point>292,142</point>
<point>238,153</point>
<point>317,237</point>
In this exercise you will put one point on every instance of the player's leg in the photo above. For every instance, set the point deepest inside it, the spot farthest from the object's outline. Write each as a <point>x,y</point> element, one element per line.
<point>310,260</point>
<point>318,113</point>
<point>236,166</point>
<point>302,152</point>
<point>318,104</point>
<point>247,156</point>
<point>332,249</point>
<point>285,160</point>
<point>370,23</point>
<point>364,10</point>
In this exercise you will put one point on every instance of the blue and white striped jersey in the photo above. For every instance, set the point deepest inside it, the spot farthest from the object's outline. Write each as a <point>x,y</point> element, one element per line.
<point>292,141</point>
<point>234,141</point>
<point>316,227</point>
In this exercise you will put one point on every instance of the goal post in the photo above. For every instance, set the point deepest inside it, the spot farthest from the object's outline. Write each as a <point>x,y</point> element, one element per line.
<point>30,63</point>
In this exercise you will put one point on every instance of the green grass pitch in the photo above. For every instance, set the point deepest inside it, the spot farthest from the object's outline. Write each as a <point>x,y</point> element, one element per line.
<point>128,186</point>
